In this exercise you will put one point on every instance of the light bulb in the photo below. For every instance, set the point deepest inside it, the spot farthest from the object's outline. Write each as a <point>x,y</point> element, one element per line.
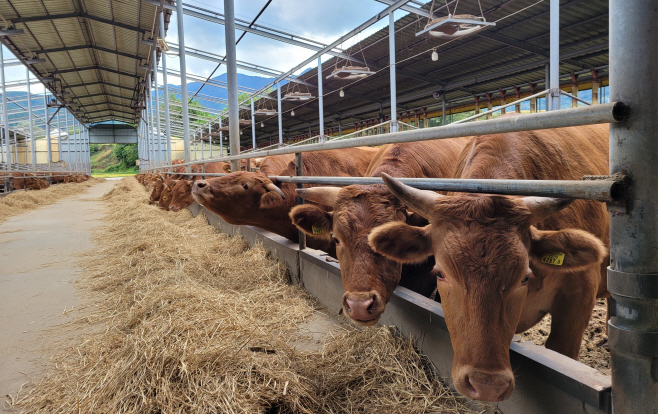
<point>262,125</point>
<point>341,93</point>
<point>292,113</point>
<point>435,56</point>
<point>240,132</point>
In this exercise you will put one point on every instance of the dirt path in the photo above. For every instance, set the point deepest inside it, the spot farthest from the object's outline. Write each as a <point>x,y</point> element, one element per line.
<point>38,271</point>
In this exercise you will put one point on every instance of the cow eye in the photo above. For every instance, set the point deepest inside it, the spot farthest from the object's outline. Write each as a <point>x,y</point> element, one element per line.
<point>334,239</point>
<point>524,281</point>
<point>245,186</point>
<point>438,274</point>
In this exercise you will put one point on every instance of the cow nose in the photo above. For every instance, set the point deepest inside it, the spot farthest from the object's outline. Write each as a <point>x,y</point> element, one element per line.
<point>200,185</point>
<point>172,208</point>
<point>489,387</point>
<point>360,309</point>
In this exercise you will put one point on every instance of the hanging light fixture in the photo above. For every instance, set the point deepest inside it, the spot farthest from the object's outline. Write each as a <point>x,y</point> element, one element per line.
<point>341,93</point>
<point>292,113</point>
<point>435,55</point>
<point>262,124</point>
<point>240,132</point>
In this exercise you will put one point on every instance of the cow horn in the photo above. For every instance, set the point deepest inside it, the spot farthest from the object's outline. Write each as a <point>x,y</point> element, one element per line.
<point>542,207</point>
<point>321,195</point>
<point>271,187</point>
<point>420,201</point>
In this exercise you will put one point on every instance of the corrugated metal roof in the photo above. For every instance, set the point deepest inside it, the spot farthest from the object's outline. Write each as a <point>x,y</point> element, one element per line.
<point>92,47</point>
<point>513,53</point>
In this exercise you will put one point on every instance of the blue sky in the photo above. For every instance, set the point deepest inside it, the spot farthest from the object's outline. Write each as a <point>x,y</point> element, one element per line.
<point>321,20</point>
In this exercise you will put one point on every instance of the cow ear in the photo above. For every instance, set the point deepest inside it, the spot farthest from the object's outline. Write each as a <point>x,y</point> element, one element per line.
<point>226,168</point>
<point>312,220</point>
<point>416,220</point>
<point>566,250</point>
<point>402,242</point>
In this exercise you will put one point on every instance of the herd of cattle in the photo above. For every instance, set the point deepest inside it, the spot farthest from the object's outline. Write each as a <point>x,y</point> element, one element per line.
<point>498,263</point>
<point>30,181</point>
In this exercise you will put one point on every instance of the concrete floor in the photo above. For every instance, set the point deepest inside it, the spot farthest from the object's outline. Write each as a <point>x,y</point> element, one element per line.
<point>38,270</point>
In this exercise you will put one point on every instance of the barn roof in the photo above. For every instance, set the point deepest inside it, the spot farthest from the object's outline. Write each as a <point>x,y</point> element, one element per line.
<point>93,49</point>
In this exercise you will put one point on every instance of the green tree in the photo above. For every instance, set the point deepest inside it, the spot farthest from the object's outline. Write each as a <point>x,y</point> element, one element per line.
<point>194,107</point>
<point>126,154</point>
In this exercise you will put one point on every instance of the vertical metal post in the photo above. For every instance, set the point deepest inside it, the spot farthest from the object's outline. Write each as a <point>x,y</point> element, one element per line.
<point>16,148</point>
<point>278,101</point>
<point>221,139</point>
<point>555,54</point>
<point>232,81</point>
<point>391,53</point>
<point>340,127</point>
<point>165,88</point>
<point>68,142</point>
<point>253,127</point>
<point>633,272</point>
<point>548,85</point>
<point>33,144</point>
<point>5,118</point>
<point>320,99</point>
<point>195,145</point>
<point>299,171</point>
<point>157,105</point>
<point>443,109</point>
<point>149,109</point>
<point>48,146</point>
<point>201,139</point>
<point>183,82</point>
<point>210,138</point>
<point>59,139</point>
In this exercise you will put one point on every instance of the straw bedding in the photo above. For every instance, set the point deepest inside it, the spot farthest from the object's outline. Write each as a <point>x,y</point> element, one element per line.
<point>184,319</point>
<point>594,350</point>
<point>19,202</point>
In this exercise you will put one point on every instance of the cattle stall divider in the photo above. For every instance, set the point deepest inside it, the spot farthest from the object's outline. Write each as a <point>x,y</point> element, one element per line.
<point>546,381</point>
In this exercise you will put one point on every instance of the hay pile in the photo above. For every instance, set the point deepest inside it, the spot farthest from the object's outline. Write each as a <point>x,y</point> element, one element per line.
<point>194,321</point>
<point>19,201</point>
<point>594,350</point>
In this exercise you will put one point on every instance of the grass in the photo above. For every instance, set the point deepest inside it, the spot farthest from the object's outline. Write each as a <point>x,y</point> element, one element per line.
<point>114,174</point>
<point>105,165</point>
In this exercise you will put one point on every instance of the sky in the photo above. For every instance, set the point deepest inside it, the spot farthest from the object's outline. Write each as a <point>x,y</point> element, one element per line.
<point>321,20</point>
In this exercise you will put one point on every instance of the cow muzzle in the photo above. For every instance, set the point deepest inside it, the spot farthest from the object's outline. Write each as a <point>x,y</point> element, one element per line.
<point>484,386</point>
<point>363,308</point>
<point>199,189</point>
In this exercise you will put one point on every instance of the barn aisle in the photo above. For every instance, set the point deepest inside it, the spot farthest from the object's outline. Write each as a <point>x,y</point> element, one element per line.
<point>38,270</point>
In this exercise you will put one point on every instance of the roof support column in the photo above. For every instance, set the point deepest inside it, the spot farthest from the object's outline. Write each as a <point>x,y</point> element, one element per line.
<point>320,99</point>
<point>146,141</point>
<point>165,87</point>
<point>548,85</point>
<point>221,139</point>
<point>183,82</point>
<point>280,115</point>
<point>391,54</point>
<point>5,119</point>
<point>33,144</point>
<point>149,110</point>
<point>253,126</point>
<point>68,141</point>
<point>443,109</point>
<point>59,139</point>
<point>232,81</point>
<point>633,271</point>
<point>555,55</point>
<point>45,103</point>
<point>157,107</point>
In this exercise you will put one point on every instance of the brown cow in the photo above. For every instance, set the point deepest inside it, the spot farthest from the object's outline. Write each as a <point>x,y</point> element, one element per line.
<point>503,263</point>
<point>369,279</point>
<point>251,198</point>
<point>165,197</point>
<point>181,195</point>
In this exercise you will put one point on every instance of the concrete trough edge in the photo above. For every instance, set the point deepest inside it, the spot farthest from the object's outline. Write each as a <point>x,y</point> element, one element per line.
<point>546,382</point>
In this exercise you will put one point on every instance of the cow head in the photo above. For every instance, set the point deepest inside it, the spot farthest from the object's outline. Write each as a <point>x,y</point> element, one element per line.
<point>369,278</point>
<point>238,194</point>
<point>157,191</point>
<point>181,195</point>
<point>165,197</point>
<point>486,250</point>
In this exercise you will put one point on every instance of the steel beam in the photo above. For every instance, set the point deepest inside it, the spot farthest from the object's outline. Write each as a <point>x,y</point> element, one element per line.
<point>554,94</point>
<point>165,87</point>
<point>5,118</point>
<point>391,57</point>
<point>183,78</point>
<point>93,47</point>
<point>79,85</point>
<point>78,15</point>
<point>232,81</point>
<point>95,67</point>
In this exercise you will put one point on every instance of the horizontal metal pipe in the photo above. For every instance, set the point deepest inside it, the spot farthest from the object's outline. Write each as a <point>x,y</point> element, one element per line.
<point>600,190</point>
<point>584,115</point>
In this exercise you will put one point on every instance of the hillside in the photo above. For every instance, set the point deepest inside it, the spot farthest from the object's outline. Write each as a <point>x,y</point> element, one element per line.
<point>104,161</point>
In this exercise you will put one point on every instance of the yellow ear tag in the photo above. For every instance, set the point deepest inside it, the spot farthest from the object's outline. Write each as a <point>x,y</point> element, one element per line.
<point>555,259</point>
<point>317,230</point>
